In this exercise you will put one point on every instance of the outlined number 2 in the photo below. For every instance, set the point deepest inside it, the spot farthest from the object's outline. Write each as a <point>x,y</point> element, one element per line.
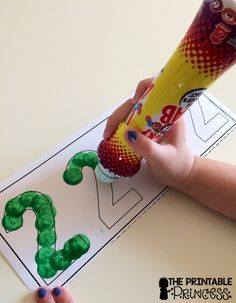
<point>206,126</point>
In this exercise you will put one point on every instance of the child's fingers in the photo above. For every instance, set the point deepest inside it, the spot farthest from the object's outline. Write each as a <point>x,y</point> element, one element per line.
<point>43,295</point>
<point>143,146</point>
<point>117,117</point>
<point>121,113</point>
<point>151,150</point>
<point>141,88</point>
<point>61,295</point>
<point>176,135</point>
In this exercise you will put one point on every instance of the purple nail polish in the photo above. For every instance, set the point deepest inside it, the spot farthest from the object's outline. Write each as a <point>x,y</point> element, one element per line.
<point>42,292</point>
<point>132,135</point>
<point>56,291</point>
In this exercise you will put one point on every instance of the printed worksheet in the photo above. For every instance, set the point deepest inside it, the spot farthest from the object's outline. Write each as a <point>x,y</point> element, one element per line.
<point>56,216</point>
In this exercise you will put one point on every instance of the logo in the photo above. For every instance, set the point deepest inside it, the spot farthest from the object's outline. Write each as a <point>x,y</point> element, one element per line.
<point>163,284</point>
<point>190,97</point>
<point>162,122</point>
<point>195,288</point>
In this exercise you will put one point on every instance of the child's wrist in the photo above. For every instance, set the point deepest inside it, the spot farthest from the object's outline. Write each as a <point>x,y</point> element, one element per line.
<point>182,183</point>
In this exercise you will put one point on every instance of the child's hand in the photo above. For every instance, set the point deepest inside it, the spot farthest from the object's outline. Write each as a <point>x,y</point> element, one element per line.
<point>121,113</point>
<point>170,161</point>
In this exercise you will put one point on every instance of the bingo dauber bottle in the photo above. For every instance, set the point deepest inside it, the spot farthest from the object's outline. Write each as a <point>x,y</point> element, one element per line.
<point>205,53</point>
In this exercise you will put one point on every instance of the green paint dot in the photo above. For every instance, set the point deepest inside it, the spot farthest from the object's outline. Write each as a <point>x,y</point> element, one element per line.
<point>40,202</point>
<point>46,270</point>
<point>46,238</point>
<point>42,258</point>
<point>15,208</point>
<point>45,221</point>
<point>11,223</point>
<point>44,254</point>
<point>54,211</point>
<point>73,175</point>
<point>75,247</point>
<point>78,159</point>
<point>27,198</point>
<point>59,261</point>
<point>91,159</point>
<point>45,210</point>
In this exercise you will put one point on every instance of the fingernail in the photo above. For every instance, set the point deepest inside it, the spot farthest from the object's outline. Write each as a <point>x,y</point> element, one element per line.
<point>42,292</point>
<point>132,135</point>
<point>56,291</point>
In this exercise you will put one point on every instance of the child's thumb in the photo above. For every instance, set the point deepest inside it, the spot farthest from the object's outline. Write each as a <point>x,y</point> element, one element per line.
<point>145,147</point>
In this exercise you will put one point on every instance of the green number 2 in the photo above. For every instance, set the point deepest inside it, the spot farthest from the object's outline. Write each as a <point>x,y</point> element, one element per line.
<point>49,260</point>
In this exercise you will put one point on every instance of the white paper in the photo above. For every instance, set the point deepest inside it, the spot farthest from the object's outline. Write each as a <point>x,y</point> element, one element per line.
<point>101,211</point>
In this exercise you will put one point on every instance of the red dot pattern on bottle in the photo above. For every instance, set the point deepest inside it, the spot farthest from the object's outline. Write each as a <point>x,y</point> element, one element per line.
<point>118,159</point>
<point>210,60</point>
